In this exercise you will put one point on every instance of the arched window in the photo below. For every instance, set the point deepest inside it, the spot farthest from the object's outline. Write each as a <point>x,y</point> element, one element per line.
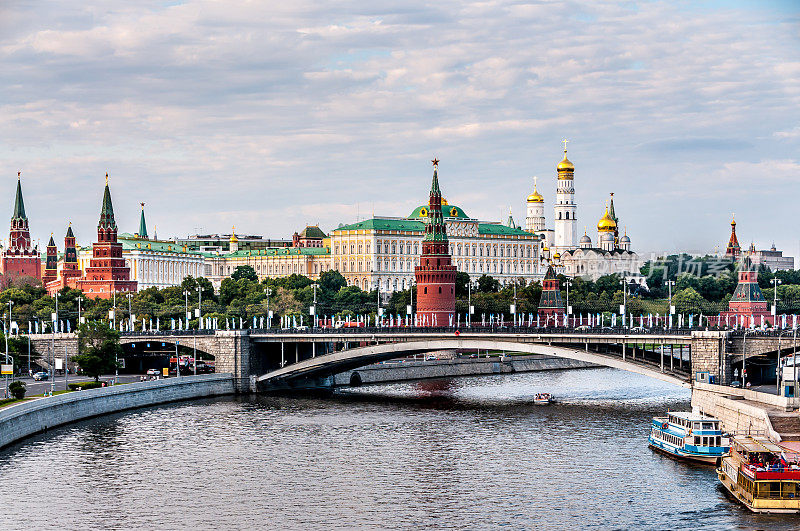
<point>559,215</point>
<point>425,291</point>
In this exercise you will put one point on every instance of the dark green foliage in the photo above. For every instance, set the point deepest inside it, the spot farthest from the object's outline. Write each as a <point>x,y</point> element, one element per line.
<point>17,389</point>
<point>99,349</point>
<point>245,272</point>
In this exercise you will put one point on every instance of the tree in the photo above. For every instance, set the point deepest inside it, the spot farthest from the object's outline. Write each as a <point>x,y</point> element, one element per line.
<point>99,349</point>
<point>332,281</point>
<point>487,284</point>
<point>17,389</point>
<point>245,271</point>
<point>462,280</point>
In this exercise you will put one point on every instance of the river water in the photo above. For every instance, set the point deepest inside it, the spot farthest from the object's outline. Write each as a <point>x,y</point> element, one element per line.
<point>464,453</point>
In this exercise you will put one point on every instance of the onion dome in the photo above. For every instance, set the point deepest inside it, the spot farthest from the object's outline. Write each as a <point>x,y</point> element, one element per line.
<point>233,239</point>
<point>606,223</point>
<point>556,256</point>
<point>585,239</point>
<point>444,202</point>
<point>535,197</point>
<point>565,168</point>
<point>625,238</point>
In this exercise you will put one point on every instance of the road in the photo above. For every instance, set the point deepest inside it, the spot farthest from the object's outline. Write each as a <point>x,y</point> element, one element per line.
<point>38,388</point>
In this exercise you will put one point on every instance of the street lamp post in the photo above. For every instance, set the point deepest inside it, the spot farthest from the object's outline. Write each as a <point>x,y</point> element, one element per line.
<point>568,283</point>
<point>624,299</point>
<point>775,283</point>
<point>186,307</point>
<point>315,321</point>
<point>469,303</point>
<point>53,350</point>
<point>80,299</point>
<point>269,320</point>
<point>669,284</point>
<point>130,312</point>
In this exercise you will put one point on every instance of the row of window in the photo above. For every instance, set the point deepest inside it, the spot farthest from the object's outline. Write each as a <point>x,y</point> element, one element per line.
<point>459,249</point>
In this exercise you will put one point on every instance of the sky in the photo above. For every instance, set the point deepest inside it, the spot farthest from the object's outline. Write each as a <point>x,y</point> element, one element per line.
<point>273,115</point>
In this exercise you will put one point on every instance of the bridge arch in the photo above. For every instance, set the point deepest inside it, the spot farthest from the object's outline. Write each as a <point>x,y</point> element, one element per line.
<point>334,363</point>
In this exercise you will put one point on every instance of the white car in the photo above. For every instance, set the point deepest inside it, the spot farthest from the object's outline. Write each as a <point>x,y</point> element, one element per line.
<point>153,372</point>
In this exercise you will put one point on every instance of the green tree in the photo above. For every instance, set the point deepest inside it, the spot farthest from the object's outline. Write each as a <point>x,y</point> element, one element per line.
<point>245,271</point>
<point>462,280</point>
<point>487,284</point>
<point>17,389</point>
<point>99,349</point>
<point>331,281</point>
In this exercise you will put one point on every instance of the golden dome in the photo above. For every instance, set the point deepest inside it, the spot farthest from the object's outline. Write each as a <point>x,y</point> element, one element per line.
<point>233,235</point>
<point>444,202</point>
<point>565,165</point>
<point>556,256</point>
<point>606,223</point>
<point>535,197</point>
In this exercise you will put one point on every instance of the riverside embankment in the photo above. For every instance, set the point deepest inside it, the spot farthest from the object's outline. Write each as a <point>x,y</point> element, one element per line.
<point>35,416</point>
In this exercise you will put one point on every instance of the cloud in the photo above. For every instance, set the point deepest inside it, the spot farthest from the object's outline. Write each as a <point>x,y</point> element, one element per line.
<point>284,114</point>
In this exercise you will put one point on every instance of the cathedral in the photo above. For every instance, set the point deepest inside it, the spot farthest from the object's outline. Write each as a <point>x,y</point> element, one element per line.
<point>611,254</point>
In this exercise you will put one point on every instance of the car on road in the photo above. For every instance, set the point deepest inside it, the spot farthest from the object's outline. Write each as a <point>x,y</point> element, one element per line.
<point>153,372</point>
<point>41,376</point>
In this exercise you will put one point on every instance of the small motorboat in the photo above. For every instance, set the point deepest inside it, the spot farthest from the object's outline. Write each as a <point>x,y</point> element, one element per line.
<point>542,399</point>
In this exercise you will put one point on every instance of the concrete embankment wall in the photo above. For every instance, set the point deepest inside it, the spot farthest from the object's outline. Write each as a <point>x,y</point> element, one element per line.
<point>27,418</point>
<point>417,370</point>
<point>736,414</point>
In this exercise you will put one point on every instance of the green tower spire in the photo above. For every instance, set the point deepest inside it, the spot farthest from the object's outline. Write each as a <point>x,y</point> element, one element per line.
<point>142,225</point>
<point>19,204</point>
<point>107,210</point>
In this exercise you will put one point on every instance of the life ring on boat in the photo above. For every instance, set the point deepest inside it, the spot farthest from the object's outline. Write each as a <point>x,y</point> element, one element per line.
<point>664,425</point>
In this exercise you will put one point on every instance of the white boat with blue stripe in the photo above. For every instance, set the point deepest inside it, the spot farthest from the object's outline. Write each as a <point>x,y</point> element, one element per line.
<point>689,436</point>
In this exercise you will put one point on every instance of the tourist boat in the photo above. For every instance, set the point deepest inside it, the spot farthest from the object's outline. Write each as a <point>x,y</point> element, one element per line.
<point>761,475</point>
<point>542,399</point>
<point>689,436</point>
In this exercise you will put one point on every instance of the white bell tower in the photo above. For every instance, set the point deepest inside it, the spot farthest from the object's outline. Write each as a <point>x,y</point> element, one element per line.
<point>566,221</point>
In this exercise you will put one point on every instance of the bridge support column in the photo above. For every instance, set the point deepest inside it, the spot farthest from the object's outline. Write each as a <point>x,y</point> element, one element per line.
<point>624,346</point>
<point>297,353</point>
<point>671,357</point>
<point>662,355</point>
<point>707,354</point>
<point>233,355</point>
<point>314,349</point>
<point>283,356</point>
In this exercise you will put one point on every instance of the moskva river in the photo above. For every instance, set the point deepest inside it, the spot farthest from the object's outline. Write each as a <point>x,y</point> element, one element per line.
<point>467,453</point>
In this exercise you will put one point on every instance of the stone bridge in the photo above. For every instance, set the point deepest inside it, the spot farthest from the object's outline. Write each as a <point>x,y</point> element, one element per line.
<point>266,359</point>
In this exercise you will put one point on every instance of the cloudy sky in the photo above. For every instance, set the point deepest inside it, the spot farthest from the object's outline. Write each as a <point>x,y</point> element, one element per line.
<point>273,115</point>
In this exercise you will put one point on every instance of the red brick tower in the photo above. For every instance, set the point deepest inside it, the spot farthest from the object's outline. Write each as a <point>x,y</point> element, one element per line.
<point>436,277</point>
<point>20,259</point>
<point>107,272</point>
<point>70,274</point>
<point>747,300</point>
<point>551,305</point>
<point>733,250</point>
<point>51,265</point>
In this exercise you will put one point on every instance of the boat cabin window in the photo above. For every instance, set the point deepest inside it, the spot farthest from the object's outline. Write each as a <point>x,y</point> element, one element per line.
<point>708,426</point>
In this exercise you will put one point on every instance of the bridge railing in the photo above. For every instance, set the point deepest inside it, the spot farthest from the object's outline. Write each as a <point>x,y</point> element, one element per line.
<point>510,330</point>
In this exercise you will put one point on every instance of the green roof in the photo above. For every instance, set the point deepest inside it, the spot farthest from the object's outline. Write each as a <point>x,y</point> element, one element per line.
<point>312,231</point>
<point>386,224</point>
<point>281,251</point>
<point>419,226</point>
<point>448,211</point>
<point>501,230</point>
<point>130,242</point>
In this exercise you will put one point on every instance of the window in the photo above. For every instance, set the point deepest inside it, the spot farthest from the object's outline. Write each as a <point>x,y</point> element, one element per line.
<point>426,291</point>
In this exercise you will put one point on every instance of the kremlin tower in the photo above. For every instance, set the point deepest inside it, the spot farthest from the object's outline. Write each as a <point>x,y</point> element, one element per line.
<point>747,300</point>
<point>51,265</point>
<point>551,305</point>
<point>20,259</point>
<point>107,272</point>
<point>435,276</point>
<point>733,250</point>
